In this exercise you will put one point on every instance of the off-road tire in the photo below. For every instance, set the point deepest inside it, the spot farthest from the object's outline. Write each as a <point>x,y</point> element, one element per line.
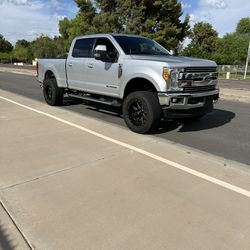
<point>142,112</point>
<point>53,95</point>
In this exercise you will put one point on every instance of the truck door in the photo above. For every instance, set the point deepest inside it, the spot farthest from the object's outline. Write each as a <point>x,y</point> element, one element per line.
<point>102,75</point>
<point>77,62</point>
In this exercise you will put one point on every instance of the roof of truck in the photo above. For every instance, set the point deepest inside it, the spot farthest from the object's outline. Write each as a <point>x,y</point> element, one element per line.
<point>108,34</point>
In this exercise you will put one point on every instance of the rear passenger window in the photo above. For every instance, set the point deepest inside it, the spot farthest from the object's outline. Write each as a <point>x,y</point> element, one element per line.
<point>83,47</point>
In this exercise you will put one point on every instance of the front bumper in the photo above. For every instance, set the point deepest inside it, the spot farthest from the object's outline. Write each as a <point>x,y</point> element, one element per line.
<point>185,101</point>
<point>180,104</point>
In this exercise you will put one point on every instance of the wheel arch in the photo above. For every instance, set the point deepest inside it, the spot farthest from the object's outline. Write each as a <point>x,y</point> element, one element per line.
<point>138,84</point>
<point>49,75</point>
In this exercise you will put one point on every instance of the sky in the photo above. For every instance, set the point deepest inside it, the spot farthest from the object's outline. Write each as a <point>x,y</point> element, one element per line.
<point>27,19</point>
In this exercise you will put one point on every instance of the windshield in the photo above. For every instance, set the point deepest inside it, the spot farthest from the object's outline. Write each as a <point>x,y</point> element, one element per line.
<point>140,46</point>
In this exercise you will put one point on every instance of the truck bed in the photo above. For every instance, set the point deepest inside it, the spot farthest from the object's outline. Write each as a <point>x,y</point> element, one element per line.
<point>55,65</point>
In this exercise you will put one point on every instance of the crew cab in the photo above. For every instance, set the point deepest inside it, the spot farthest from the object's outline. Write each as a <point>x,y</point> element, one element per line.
<point>134,73</point>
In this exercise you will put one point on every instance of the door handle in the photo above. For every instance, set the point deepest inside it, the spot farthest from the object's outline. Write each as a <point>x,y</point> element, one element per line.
<point>70,64</point>
<point>91,65</point>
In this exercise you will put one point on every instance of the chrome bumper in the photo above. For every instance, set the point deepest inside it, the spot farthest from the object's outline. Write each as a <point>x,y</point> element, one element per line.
<point>187,100</point>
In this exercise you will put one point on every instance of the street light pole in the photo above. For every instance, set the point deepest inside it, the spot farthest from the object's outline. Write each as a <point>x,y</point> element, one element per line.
<point>248,55</point>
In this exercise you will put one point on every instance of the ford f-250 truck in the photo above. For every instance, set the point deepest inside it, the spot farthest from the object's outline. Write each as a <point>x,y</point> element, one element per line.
<point>134,73</point>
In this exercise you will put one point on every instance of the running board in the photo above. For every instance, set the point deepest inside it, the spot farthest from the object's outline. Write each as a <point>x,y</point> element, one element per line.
<point>115,102</point>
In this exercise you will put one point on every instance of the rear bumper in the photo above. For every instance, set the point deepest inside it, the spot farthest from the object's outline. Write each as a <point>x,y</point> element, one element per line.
<point>177,105</point>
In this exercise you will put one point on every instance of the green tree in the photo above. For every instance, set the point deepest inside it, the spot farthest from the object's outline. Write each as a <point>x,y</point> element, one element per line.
<point>231,49</point>
<point>20,54</point>
<point>5,57</point>
<point>157,19</point>
<point>80,25</point>
<point>46,47</point>
<point>21,51</point>
<point>43,46</point>
<point>109,19</point>
<point>83,22</point>
<point>22,43</point>
<point>5,46</point>
<point>64,30</point>
<point>60,47</point>
<point>243,26</point>
<point>203,41</point>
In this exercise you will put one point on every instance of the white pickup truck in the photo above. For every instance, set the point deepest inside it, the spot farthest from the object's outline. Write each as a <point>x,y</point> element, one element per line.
<point>134,73</point>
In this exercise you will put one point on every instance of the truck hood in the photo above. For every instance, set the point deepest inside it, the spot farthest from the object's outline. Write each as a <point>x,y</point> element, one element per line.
<point>177,61</point>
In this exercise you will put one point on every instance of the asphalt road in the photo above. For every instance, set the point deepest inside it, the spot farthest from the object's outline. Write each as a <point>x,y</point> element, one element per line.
<point>224,132</point>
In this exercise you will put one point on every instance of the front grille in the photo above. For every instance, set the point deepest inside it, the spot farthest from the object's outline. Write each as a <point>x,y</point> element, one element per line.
<point>199,88</point>
<point>200,69</point>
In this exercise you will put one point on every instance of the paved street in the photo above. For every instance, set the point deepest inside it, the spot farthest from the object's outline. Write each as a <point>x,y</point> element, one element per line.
<point>74,177</point>
<point>225,132</point>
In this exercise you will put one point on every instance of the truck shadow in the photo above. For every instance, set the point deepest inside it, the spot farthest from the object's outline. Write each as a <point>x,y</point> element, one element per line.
<point>6,242</point>
<point>217,118</point>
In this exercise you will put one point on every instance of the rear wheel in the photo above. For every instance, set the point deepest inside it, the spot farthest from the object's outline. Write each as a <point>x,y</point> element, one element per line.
<point>53,95</point>
<point>142,111</point>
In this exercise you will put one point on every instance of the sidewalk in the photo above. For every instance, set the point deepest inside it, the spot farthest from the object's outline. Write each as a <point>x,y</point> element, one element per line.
<point>10,237</point>
<point>69,187</point>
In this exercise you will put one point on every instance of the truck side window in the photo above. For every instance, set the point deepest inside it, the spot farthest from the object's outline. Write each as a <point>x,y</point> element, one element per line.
<point>83,47</point>
<point>111,50</point>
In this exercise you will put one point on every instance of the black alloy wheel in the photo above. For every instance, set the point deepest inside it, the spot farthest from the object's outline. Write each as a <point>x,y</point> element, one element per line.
<point>137,113</point>
<point>142,111</point>
<point>53,95</point>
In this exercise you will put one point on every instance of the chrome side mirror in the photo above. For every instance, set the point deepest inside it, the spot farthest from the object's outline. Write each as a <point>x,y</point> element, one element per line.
<point>171,52</point>
<point>100,52</point>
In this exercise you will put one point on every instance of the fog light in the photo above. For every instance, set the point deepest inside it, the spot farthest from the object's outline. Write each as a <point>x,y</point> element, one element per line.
<point>177,100</point>
<point>174,100</point>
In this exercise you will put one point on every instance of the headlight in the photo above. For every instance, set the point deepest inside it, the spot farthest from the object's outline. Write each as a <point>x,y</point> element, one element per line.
<point>174,78</point>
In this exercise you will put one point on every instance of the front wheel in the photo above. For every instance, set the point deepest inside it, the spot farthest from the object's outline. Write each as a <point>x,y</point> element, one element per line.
<point>142,111</point>
<point>53,95</point>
